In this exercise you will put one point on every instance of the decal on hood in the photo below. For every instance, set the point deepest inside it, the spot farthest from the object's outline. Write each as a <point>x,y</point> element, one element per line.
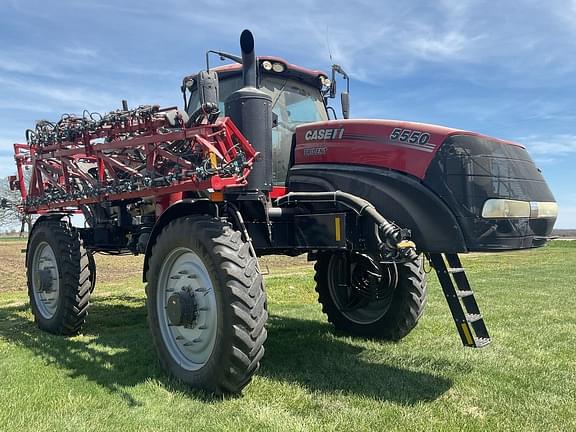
<point>323,134</point>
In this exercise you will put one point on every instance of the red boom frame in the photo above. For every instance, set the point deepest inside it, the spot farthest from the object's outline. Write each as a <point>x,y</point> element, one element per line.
<point>133,158</point>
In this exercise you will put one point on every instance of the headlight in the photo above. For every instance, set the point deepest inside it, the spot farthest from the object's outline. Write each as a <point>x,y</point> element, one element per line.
<point>325,81</point>
<point>505,208</point>
<point>267,65</point>
<point>544,210</point>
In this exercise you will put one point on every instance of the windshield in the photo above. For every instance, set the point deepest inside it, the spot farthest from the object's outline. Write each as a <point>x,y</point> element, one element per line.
<point>294,102</point>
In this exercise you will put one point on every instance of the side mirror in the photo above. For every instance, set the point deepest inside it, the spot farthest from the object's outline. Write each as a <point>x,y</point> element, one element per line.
<point>345,101</point>
<point>207,82</point>
<point>274,120</point>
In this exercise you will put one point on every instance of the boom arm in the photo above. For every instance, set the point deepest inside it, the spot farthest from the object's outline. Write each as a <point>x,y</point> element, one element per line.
<point>129,154</point>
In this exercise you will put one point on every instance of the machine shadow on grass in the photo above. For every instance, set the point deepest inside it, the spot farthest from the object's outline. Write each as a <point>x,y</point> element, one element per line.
<point>310,354</point>
<point>115,351</point>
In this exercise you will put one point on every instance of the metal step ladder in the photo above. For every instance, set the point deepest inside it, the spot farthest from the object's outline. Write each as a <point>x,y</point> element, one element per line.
<point>461,301</point>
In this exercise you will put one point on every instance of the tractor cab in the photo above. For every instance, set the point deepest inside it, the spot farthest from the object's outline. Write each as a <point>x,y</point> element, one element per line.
<point>298,97</point>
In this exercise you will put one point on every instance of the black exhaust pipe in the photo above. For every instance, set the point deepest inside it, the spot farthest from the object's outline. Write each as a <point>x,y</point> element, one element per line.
<point>248,59</point>
<point>251,110</point>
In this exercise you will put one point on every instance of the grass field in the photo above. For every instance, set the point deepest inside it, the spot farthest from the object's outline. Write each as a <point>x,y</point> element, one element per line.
<point>311,378</point>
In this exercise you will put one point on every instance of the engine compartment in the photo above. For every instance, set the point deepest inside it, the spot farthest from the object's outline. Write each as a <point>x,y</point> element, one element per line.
<point>490,188</point>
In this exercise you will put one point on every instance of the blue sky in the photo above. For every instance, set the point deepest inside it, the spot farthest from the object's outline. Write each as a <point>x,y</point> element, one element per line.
<point>506,69</point>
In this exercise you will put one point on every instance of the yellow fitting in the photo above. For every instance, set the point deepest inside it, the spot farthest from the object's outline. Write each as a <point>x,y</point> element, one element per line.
<point>405,244</point>
<point>213,161</point>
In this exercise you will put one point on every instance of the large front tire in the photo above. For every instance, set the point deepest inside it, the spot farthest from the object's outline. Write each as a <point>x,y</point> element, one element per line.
<point>60,277</point>
<point>206,304</point>
<point>402,296</point>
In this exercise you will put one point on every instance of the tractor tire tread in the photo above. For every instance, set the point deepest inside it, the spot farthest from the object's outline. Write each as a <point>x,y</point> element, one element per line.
<point>243,296</point>
<point>408,303</point>
<point>75,271</point>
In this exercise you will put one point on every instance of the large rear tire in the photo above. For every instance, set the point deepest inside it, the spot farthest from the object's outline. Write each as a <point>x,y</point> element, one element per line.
<point>59,277</point>
<point>346,290</point>
<point>206,304</point>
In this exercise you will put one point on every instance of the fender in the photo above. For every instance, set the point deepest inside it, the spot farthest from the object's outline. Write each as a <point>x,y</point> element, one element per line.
<point>179,209</point>
<point>398,197</point>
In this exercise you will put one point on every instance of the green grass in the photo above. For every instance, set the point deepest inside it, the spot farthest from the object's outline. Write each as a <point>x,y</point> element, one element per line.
<point>4,238</point>
<point>312,378</point>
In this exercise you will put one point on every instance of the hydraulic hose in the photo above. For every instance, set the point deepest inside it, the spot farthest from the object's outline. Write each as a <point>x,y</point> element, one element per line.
<point>395,239</point>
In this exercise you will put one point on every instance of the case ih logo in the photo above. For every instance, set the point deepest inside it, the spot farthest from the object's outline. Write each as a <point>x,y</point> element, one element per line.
<point>323,134</point>
<point>315,151</point>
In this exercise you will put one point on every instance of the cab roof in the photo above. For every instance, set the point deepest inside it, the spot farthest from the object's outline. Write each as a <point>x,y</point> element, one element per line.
<point>309,76</point>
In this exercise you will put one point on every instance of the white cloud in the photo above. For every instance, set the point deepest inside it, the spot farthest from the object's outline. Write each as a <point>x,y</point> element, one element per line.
<point>79,51</point>
<point>371,40</point>
<point>446,46</point>
<point>13,65</point>
<point>12,104</point>
<point>69,97</point>
<point>552,146</point>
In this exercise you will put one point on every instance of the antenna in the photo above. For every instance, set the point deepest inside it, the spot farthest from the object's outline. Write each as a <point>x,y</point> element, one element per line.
<point>328,45</point>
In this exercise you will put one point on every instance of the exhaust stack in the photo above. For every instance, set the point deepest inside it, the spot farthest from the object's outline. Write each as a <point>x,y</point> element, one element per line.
<point>251,110</point>
<point>248,59</point>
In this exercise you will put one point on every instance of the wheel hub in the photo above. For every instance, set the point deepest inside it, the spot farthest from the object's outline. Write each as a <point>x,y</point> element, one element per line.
<point>46,281</point>
<point>361,287</point>
<point>187,309</point>
<point>371,280</point>
<point>182,309</point>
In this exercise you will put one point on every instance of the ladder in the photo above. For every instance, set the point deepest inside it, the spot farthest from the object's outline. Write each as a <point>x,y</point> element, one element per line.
<point>461,301</point>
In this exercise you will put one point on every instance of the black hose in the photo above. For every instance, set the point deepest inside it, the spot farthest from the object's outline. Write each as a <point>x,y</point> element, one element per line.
<point>392,233</point>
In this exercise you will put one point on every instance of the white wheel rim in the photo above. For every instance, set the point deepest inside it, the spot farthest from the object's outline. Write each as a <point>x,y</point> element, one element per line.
<point>45,280</point>
<point>188,345</point>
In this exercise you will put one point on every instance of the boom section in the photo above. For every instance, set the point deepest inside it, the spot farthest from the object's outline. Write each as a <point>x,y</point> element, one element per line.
<point>129,154</point>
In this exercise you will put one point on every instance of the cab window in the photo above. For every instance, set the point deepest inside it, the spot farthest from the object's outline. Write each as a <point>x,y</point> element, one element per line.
<point>294,102</point>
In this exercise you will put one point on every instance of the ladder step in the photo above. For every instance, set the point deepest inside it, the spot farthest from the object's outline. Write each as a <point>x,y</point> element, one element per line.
<point>473,317</point>
<point>482,342</point>
<point>460,297</point>
<point>456,270</point>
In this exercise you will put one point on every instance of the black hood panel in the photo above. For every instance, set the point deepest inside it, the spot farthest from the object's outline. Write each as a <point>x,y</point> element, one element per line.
<point>468,170</point>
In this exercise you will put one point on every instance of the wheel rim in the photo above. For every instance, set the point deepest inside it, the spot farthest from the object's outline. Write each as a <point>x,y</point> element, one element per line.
<point>184,273</point>
<point>45,280</point>
<point>351,302</point>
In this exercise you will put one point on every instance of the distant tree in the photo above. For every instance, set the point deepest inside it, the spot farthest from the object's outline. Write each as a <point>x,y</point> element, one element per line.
<point>10,215</point>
